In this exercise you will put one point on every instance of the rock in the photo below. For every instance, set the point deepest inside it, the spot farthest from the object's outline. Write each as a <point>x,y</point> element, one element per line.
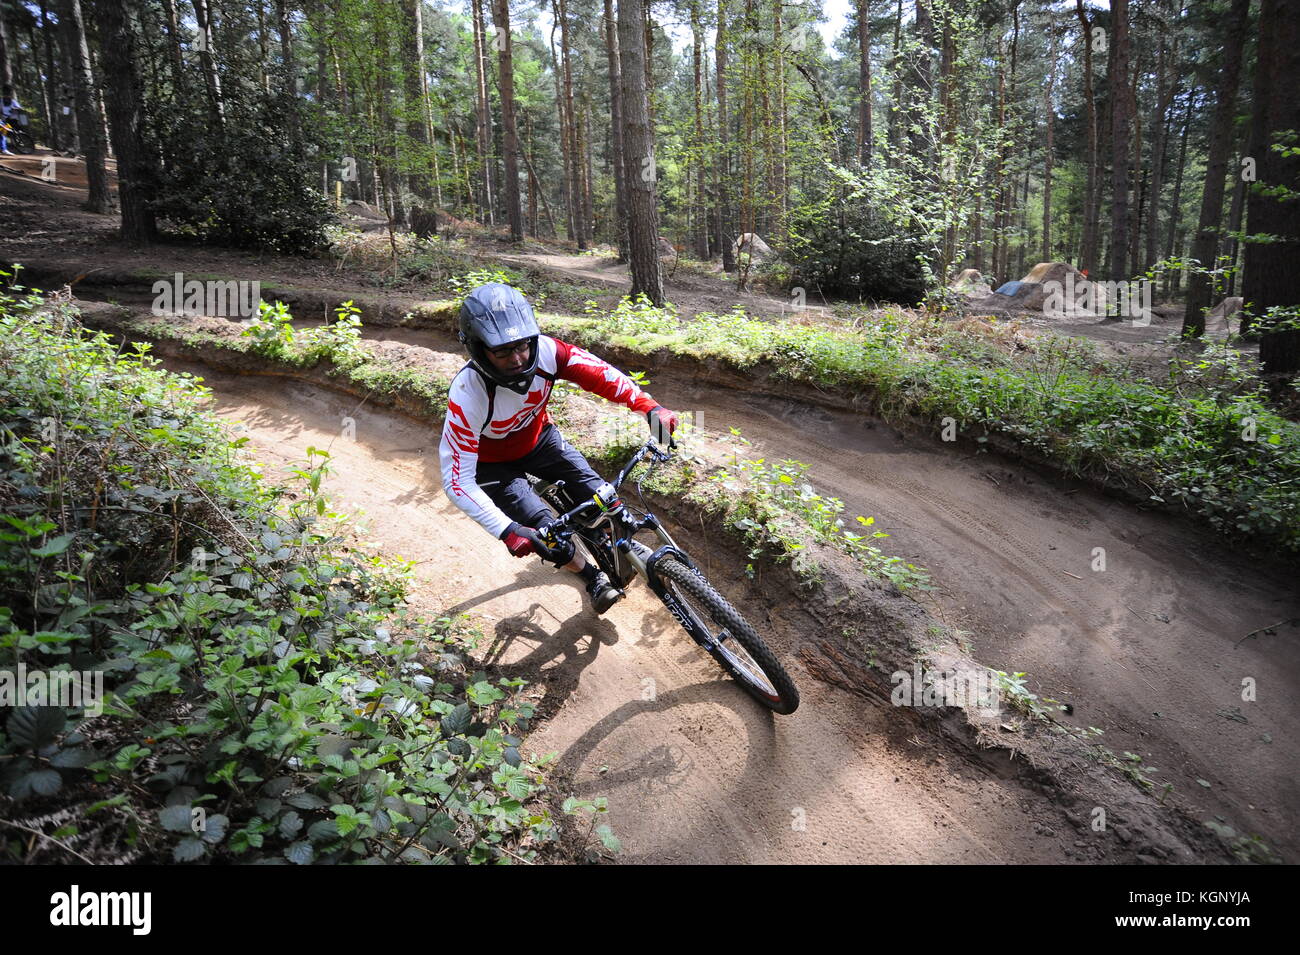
<point>1218,320</point>
<point>666,249</point>
<point>970,282</point>
<point>749,242</point>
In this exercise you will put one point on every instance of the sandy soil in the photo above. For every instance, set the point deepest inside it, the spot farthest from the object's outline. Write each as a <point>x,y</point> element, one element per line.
<point>1150,649</point>
<point>699,773</point>
<point>1146,649</point>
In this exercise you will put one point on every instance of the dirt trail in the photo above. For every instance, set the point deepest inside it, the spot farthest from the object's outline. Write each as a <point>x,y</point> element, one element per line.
<point>699,773</point>
<point>1145,649</point>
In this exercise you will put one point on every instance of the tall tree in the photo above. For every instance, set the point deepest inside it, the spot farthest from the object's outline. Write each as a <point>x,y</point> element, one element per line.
<point>1120,125</point>
<point>1088,248</point>
<point>724,150</point>
<point>639,144</point>
<point>289,78</point>
<point>417,95</point>
<point>1271,278</point>
<point>864,81</point>
<point>1166,91</point>
<point>1222,135</point>
<point>509,134</point>
<point>483,117</point>
<point>205,42</point>
<point>85,95</point>
<point>701,216</point>
<point>616,131</point>
<point>1049,153</point>
<point>136,175</point>
<point>6,51</point>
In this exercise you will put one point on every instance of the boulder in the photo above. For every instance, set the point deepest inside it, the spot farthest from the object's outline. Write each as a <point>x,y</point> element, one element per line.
<point>753,244</point>
<point>666,249</point>
<point>1218,320</point>
<point>970,283</point>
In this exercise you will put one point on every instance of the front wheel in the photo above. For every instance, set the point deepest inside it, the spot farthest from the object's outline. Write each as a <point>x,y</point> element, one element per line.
<point>727,636</point>
<point>23,144</point>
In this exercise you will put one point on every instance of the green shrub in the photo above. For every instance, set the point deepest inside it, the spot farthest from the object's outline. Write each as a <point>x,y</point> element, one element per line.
<point>270,697</point>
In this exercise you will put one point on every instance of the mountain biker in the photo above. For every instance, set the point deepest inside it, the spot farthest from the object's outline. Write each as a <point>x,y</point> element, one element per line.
<point>8,108</point>
<point>497,429</point>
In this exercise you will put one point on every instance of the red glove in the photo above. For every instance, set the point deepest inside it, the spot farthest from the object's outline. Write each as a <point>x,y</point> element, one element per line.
<point>519,545</point>
<point>662,423</point>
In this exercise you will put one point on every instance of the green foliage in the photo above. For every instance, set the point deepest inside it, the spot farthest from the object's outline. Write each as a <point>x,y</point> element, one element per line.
<point>238,183</point>
<point>851,245</point>
<point>462,285</point>
<point>1207,439</point>
<point>635,316</point>
<point>270,696</point>
<point>763,493</point>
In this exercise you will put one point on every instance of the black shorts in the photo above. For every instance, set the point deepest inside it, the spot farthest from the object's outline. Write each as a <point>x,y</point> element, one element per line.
<point>554,459</point>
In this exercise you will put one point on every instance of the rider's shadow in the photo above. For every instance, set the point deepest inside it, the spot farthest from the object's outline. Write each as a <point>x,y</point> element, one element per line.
<point>570,649</point>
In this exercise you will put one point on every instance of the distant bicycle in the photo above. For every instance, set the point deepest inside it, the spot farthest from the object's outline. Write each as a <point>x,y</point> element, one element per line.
<point>607,526</point>
<point>16,135</point>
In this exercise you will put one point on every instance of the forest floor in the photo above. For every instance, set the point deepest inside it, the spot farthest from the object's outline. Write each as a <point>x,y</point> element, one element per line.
<point>1152,651</point>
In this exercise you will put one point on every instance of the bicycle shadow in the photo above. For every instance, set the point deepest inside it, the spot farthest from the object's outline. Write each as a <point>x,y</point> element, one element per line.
<point>556,655</point>
<point>666,770</point>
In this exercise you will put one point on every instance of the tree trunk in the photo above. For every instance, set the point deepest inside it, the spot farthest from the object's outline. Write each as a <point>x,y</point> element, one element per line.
<point>923,86</point>
<point>84,92</point>
<point>584,150</point>
<point>864,81</point>
<point>509,134</point>
<point>172,23</point>
<point>483,124</point>
<point>205,42</point>
<point>575,153</point>
<point>616,131</point>
<point>1175,208</point>
<point>724,151</point>
<point>1271,276</point>
<point>1234,227</point>
<point>566,160</point>
<point>417,126</point>
<point>1049,153</point>
<point>1120,122</point>
<point>135,168</point>
<point>1205,245</point>
<point>701,230</point>
<point>51,77</point>
<point>6,54</point>
<point>289,79</point>
<point>1088,252</point>
<point>638,139</point>
<point>1160,146</point>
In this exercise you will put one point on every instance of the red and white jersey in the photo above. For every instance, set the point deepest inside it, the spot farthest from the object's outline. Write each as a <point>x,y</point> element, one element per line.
<point>505,425</point>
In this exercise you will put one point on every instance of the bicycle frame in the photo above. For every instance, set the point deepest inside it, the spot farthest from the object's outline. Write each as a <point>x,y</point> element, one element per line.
<point>628,555</point>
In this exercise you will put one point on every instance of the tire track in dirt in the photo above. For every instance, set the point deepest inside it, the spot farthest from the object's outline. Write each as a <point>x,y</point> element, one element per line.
<point>1169,692</point>
<point>699,773</point>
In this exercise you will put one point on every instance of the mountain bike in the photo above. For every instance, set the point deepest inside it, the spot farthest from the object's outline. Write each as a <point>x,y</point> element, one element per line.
<point>606,526</point>
<point>19,139</point>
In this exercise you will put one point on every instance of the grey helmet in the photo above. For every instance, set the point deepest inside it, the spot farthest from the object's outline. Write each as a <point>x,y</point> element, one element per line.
<point>493,315</point>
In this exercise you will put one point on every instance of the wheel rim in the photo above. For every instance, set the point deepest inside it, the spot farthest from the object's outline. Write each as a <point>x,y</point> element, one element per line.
<point>724,643</point>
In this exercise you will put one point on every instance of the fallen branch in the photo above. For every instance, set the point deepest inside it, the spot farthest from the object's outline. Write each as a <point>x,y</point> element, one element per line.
<point>1271,626</point>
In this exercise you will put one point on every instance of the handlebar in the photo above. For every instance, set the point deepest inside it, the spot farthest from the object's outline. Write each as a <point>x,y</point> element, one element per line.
<point>562,524</point>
